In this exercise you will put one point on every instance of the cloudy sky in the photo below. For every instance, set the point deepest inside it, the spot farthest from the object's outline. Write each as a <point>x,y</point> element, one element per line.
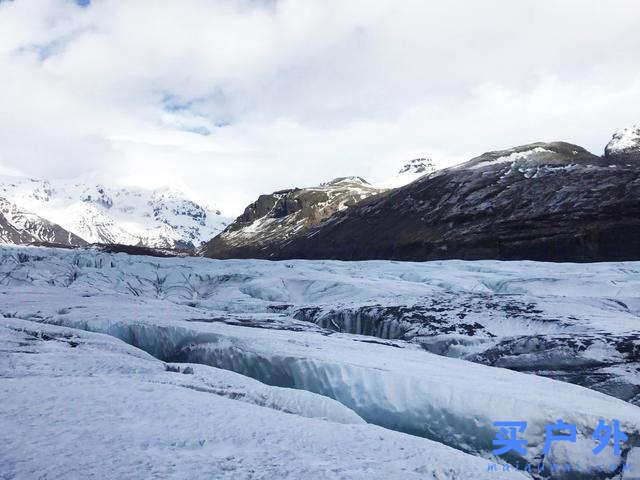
<point>234,98</point>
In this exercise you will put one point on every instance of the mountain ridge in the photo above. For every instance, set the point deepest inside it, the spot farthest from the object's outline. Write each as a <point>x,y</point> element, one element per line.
<point>273,219</point>
<point>548,201</point>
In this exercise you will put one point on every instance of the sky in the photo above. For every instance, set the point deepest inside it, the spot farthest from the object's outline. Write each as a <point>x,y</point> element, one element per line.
<point>231,99</point>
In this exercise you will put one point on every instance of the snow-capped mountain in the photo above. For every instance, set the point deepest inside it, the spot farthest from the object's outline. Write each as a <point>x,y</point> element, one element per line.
<point>96,213</point>
<point>411,171</point>
<point>625,145</point>
<point>20,226</point>
<point>273,219</point>
<point>543,201</point>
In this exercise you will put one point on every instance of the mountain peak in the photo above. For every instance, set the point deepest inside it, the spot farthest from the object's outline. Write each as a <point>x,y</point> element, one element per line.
<point>277,217</point>
<point>350,179</point>
<point>534,155</point>
<point>410,171</point>
<point>625,144</point>
<point>417,165</point>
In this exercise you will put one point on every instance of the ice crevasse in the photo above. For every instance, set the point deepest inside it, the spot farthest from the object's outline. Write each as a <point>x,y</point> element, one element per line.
<point>451,401</point>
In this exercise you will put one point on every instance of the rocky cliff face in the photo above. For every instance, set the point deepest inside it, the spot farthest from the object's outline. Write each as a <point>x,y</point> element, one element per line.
<point>273,220</point>
<point>543,201</point>
<point>22,227</point>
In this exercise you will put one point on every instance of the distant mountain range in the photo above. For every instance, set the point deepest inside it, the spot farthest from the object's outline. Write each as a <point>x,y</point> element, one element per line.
<point>544,201</point>
<point>80,212</point>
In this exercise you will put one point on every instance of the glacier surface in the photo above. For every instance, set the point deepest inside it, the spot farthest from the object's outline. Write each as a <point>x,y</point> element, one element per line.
<point>77,404</point>
<point>209,325</point>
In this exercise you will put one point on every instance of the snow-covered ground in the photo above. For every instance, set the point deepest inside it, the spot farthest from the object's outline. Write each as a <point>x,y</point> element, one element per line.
<point>82,405</point>
<point>87,334</point>
<point>575,322</point>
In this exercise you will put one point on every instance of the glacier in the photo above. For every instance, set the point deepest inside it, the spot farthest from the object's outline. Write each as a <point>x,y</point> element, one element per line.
<point>578,323</point>
<point>77,404</point>
<point>215,319</point>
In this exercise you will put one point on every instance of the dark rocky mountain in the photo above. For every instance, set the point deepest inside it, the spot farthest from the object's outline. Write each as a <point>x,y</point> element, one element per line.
<point>543,201</point>
<point>22,227</point>
<point>272,220</point>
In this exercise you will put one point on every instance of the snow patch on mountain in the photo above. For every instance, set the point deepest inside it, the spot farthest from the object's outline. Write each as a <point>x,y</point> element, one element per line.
<point>512,157</point>
<point>411,171</point>
<point>357,185</point>
<point>625,140</point>
<point>164,217</point>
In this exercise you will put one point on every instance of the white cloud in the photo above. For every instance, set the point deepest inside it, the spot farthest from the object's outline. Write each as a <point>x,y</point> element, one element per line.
<point>237,98</point>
